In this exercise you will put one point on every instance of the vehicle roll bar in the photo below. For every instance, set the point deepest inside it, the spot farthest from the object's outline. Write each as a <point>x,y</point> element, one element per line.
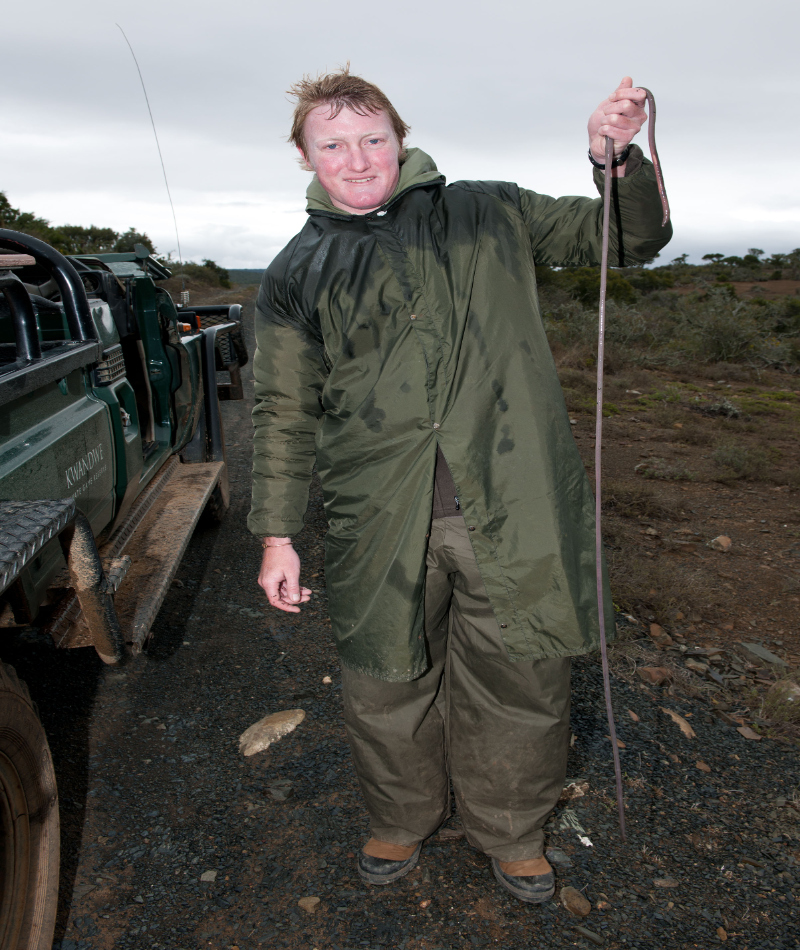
<point>66,277</point>
<point>26,337</point>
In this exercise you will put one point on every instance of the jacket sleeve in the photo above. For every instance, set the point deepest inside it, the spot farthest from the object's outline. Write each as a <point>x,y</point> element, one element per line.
<point>289,370</point>
<point>568,231</point>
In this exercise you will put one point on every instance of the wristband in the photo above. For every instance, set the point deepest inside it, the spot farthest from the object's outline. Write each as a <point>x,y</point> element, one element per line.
<point>280,544</point>
<point>619,160</point>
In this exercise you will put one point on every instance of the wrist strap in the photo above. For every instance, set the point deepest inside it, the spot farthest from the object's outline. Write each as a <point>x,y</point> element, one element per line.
<point>619,160</point>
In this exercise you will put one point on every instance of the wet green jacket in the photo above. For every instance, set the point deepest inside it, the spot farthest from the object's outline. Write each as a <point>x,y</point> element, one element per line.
<point>382,335</point>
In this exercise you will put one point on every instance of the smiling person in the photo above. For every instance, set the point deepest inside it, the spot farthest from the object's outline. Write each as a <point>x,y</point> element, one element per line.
<point>400,347</point>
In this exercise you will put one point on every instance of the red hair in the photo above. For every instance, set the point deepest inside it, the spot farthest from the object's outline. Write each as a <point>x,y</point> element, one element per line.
<point>340,90</point>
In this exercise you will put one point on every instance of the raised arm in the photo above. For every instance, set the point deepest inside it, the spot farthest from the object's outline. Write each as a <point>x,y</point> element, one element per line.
<point>567,231</point>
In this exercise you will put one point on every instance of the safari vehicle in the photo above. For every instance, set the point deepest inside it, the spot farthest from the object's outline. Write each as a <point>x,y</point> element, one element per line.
<point>111,448</point>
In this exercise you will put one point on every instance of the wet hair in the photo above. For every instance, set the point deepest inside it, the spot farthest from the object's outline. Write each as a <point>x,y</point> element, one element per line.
<point>340,90</point>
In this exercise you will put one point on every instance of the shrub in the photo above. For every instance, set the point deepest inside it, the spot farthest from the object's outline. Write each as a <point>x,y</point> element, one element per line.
<point>723,408</point>
<point>208,272</point>
<point>782,703</point>
<point>651,326</point>
<point>129,240</point>
<point>223,277</point>
<point>646,281</point>
<point>635,500</point>
<point>570,323</point>
<point>722,329</point>
<point>577,379</point>
<point>583,284</point>
<point>739,461</point>
<point>662,469</point>
<point>666,415</point>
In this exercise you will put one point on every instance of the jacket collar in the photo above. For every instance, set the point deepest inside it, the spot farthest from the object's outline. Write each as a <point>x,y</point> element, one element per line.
<point>417,170</point>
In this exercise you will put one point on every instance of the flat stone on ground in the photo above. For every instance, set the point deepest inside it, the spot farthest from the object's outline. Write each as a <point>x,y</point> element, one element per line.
<point>263,733</point>
<point>656,675</point>
<point>762,653</point>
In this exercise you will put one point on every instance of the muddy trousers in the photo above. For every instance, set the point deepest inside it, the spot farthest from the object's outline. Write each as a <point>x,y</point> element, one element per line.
<point>499,729</point>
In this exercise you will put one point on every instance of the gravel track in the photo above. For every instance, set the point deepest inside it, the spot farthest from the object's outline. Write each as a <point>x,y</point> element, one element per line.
<point>155,794</point>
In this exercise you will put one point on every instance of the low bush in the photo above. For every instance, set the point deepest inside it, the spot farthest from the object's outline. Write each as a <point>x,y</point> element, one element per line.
<point>739,461</point>
<point>635,500</point>
<point>658,468</point>
<point>781,704</point>
<point>208,273</point>
<point>650,325</point>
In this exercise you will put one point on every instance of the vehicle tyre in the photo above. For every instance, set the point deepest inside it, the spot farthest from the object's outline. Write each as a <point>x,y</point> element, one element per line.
<point>29,825</point>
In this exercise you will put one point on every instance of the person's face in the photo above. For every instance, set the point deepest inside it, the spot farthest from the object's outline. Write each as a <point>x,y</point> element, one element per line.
<point>356,157</point>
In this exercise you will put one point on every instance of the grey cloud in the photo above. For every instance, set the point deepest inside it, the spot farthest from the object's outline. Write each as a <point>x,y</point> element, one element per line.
<point>490,92</point>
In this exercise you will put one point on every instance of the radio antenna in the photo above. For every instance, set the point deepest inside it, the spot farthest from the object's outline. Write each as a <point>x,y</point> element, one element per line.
<point>158,146</point>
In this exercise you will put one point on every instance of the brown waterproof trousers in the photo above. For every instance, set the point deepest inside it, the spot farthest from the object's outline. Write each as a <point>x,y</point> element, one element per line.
<point>499,729</point>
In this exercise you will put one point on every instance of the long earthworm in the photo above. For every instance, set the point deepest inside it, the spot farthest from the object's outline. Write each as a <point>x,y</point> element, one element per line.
<point>651,141</point>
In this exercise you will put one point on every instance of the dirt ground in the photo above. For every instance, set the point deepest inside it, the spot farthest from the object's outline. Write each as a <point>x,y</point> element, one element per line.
<point>171,839</point>
<point>768,289</point>
<point>684,462</point>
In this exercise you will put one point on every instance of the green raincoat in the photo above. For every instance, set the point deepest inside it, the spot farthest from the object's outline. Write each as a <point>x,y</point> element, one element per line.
<point>381,336</point>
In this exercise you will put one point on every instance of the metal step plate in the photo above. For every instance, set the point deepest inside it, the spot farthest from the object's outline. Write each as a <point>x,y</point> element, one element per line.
<point>63,626</point>
<point>25,528</point>
<point>158,545</point>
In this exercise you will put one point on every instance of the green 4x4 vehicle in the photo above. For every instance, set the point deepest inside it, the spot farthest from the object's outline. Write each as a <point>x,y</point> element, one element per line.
<point>111,448</point>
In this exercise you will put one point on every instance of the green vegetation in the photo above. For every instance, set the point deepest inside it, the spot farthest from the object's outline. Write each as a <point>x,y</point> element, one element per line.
<point>209,272</point>
<point>782,703</point>
<point>631,499</point>
<point>662,469</point>
<point>672,314</point>
<point>70,238</point>
<point>740,461</point>
<point>76,239</point>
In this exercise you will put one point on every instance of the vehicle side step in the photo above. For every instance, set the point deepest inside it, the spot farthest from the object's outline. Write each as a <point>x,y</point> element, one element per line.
<point>158,545</point>
<point>66,626</point>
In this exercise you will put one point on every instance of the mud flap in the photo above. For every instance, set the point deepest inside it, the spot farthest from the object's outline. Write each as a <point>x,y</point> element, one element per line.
<point>27,526</point>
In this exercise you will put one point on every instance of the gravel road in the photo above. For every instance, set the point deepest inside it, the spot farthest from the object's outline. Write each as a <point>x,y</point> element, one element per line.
<point>172,839</point>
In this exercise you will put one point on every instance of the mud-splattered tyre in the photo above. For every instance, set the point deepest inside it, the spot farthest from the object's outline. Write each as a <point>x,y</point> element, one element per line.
<point>29,827</point>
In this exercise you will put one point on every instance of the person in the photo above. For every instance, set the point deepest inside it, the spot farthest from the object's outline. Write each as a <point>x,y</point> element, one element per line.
<point>400,348</point>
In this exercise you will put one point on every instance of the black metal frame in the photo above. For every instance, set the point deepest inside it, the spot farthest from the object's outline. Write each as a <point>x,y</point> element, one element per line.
<point>36,365</point>
<point>70,286</point>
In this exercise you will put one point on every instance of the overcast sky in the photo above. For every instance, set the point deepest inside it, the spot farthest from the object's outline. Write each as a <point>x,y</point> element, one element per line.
<point>494,90</point>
